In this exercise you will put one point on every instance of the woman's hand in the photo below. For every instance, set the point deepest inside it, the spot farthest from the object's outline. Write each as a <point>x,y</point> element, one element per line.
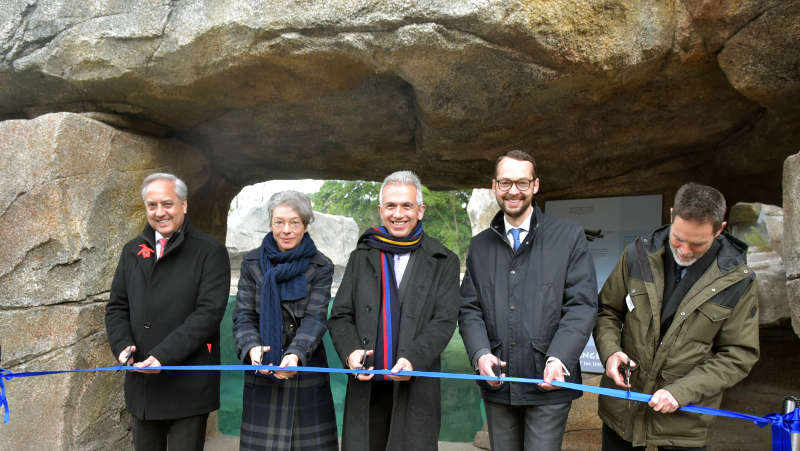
<point>288,360</point>
<point>256,353</point>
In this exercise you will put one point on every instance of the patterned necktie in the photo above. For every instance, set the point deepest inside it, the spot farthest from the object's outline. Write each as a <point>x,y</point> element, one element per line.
<point>163,243</point>
<point>515,234</point>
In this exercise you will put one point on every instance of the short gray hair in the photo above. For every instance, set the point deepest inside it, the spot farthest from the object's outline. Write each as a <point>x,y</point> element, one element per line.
<point>180,187</point>
<point>701,203</point>
<point>295,200</point>
<point>402,178</point>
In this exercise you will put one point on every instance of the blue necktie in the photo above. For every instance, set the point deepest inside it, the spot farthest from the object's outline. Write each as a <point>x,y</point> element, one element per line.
<point>515,234</point>
<point>679,273</point>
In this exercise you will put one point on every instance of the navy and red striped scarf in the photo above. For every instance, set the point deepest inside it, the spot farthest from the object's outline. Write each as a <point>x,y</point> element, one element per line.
<point>389,319</point>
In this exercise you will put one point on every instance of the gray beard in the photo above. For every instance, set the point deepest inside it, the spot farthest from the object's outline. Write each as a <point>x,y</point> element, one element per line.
<point>677,260</point>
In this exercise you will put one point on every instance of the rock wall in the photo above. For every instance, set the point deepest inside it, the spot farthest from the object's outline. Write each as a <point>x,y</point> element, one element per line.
<point>69,198</point>
<point>791,235</point>
<point>761,227</point>
<point>614,97</point>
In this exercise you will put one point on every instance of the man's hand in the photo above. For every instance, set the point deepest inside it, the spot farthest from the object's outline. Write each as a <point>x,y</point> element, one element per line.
<point>288,360</point>
<point>150,362</point>
<point>552,372</point>
<point>402,365</point>
<point>612,368</point>
<point>663,401</point>
<point>485,364</point>
<point>256,353</point>
<point>126,356</point>
<point>355,361</point>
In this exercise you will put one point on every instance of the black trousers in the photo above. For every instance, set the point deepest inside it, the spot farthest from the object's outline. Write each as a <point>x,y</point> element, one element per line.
<point>381,401</point>
<point>187,433</point>
<point>613,442</point>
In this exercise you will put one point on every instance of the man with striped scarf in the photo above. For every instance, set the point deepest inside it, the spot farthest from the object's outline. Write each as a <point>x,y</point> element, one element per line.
<point>396,309</point>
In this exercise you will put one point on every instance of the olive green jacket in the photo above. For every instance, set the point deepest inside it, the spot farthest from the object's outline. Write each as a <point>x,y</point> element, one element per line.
<point>711,344</point>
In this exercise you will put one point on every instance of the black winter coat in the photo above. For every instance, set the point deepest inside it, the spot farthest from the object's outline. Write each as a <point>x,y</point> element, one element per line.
<point>528,305</point>
<point>427,321</point>
<point>170,308</point>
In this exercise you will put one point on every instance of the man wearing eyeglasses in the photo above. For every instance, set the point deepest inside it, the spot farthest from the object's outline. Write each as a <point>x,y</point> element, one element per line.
<point>528,304</point>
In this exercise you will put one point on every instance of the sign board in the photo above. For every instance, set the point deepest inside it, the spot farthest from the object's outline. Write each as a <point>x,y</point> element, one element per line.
<point>610,223</point>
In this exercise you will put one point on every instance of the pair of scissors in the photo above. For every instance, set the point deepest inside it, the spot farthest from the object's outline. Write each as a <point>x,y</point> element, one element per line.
<point>626,368</point>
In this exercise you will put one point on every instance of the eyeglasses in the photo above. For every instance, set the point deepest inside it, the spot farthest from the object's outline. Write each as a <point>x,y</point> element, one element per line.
<point>294,224</point>
<point>506,184</point>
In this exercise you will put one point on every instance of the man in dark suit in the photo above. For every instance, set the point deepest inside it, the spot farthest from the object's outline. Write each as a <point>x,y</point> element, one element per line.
<point>396,309</point>
<point>168,297</point>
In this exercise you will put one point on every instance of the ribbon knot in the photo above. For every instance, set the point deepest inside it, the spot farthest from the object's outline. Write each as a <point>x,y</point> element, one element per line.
<point>4,374</point>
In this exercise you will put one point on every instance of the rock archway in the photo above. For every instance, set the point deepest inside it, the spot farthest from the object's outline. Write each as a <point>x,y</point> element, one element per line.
<point>613,97</point>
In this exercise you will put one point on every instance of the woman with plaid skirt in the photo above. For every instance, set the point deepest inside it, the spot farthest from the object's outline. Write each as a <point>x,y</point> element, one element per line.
<point>280,318</point>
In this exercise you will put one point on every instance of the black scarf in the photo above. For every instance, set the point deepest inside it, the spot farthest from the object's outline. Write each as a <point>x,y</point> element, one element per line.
<point>674,294</point>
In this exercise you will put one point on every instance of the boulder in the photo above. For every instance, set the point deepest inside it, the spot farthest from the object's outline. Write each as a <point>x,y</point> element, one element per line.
<point>773,301</point>
<point>69,199</point>
<point>760,60</point>
<point>481,208</point>
<point>791,235</point>
<point>614,97</point>
<point>761,227</point>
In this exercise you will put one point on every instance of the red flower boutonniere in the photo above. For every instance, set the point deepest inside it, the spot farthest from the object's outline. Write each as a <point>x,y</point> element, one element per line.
<point>145,251</point>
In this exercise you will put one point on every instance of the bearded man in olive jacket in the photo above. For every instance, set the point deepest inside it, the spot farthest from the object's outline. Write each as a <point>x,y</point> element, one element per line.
<point>681,310</point>
<point>395,309</point>
<point>168,297</point>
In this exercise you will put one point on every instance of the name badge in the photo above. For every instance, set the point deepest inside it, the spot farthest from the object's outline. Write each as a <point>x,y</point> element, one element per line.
<point>629,302</point>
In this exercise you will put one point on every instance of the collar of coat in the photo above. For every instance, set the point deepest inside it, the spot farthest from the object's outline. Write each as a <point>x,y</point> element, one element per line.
<point>499,226</point>
<point>732,251</point>
<point>149,234</point>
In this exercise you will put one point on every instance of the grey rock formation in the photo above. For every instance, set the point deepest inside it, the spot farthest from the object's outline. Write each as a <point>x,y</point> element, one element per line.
<point>791,235</point>
<point>615,97</point>
<point>248,223</point>
<point>481,208</point>
<point>761,227</point>
<point>69,199</point>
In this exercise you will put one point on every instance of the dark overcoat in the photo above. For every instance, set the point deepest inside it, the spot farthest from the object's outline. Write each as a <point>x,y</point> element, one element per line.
<point>170,308</point>
<point>298,413</point>
<point>429,304</point>
<point>528,305</point>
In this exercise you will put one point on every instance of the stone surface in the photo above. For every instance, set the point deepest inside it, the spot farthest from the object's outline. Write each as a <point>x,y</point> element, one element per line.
<point>248,223</point>
<point>761,59</point>
<point>761,227</point>
<point>791,235</point>
<point>773,301</point>
<point>69,199</point>
<point>481,208</point>
<point>614,97</point>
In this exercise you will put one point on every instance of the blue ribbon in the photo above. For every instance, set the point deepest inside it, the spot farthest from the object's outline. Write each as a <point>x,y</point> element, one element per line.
<point>3,399</point>
<point>782,425</point>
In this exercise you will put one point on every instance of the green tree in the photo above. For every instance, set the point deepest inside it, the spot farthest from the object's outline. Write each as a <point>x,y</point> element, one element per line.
<point>445,218</point>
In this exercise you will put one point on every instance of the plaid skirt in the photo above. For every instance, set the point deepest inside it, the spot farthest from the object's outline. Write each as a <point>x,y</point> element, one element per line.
<point>294,414</point>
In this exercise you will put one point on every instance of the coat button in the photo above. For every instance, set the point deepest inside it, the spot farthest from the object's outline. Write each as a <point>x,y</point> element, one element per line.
<point>147,325</point>
<point>368,308</point>
<point>683,313</point>
<point>512,307</point>
<point>513,272</point>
